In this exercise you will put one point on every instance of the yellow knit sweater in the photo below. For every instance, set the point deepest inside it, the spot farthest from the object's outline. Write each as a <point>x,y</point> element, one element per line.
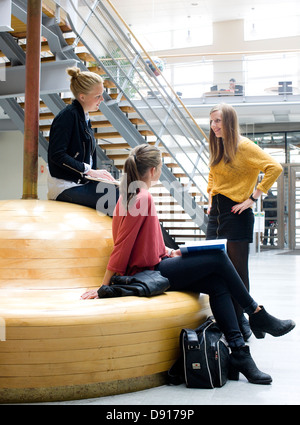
<point>237,179</point>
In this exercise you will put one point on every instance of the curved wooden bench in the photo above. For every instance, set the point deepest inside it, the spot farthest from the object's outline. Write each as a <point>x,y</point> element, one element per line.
<point>54,346</point>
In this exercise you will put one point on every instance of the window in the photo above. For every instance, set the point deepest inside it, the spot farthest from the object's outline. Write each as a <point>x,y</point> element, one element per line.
<point>192,79</point>
<point>263,72</point>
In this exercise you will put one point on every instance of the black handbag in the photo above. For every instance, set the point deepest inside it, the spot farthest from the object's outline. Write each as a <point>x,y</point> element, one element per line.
<point>144,284</point>
<point>204,362</point>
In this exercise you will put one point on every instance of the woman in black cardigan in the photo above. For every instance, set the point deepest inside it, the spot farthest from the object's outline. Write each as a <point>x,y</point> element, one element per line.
<point>72,158</point>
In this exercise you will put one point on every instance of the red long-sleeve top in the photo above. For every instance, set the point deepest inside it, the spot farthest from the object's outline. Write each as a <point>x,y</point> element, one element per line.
<point>138,240</point>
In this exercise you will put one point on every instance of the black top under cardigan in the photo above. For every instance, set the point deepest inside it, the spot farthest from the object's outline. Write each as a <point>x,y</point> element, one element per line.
<point>71,144</point>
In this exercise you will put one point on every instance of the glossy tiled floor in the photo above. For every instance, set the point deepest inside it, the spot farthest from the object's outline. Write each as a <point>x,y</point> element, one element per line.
<point>275,283</point>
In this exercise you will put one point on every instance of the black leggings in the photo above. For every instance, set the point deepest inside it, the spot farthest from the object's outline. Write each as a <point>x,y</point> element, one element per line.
<point>238,252</point>
<point>213,274</point>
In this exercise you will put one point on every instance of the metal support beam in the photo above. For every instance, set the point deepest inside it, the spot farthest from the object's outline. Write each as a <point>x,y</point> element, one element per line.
<point>11,49</point>
<point>53,79</point>
<point>5,15</point>
<point>32,99</point>
<point>54,102</point>
<point>54,40</point>
<point>16,113</point>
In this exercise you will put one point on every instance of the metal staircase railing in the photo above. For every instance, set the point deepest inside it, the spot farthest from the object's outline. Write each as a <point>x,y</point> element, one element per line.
<point>103,33</point>
<point>110,41</point>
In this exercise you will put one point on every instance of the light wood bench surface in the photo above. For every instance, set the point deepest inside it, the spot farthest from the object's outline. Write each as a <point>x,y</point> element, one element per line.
<point>59,347</point>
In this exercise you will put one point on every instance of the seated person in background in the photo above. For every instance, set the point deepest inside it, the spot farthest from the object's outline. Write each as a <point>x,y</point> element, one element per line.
<point>237,89</point>
<point>232,85</point>
<point>72,149</point>
<point>139,245</point>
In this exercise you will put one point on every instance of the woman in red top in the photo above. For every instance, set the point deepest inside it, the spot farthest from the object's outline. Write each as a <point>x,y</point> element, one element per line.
<point>139,245</point>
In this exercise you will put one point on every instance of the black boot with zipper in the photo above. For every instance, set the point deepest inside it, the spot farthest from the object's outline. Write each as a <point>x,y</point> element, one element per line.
<point>242,362</point>
<point>262,323</point>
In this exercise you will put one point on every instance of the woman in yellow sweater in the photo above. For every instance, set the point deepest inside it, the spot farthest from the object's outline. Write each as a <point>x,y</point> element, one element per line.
<point>235,163</point>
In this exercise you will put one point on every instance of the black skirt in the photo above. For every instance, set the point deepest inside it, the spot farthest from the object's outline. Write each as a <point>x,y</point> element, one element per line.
<point>223,224</point>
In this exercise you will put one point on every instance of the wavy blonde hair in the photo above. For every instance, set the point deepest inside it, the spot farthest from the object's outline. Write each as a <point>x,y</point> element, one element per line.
<point>82,81</point>
<point>226,147</point>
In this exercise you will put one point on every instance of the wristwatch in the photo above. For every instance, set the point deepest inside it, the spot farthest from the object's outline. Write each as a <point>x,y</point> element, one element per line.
<point>253,199</point>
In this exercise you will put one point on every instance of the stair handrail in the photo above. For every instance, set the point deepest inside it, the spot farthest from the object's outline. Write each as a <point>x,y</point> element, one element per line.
<point>158,84</point>
<point>155,66</point>
<point>192,140</point>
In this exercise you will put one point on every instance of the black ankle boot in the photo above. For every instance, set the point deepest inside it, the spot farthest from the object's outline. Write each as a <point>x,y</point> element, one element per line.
<point>244,327</point>
<point>241,361</point>
<point>262,323</point>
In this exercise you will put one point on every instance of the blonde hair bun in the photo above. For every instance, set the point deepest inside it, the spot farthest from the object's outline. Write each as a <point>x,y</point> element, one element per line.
<point>73,72</point>
<point>82,81</point>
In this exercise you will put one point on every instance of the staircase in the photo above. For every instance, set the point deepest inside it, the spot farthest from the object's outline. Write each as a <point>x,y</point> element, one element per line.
<point>139,106</point>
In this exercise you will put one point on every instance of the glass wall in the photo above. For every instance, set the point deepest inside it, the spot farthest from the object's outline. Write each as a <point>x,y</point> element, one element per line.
<point>284,146</point>
<point>281,227</point>
<point>190,79</point>
<point>263,73</point>
<point>266,74</point>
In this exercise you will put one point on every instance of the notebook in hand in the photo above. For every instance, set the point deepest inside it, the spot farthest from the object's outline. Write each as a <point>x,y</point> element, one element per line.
<point>99,179</point>
<point>198,247</point>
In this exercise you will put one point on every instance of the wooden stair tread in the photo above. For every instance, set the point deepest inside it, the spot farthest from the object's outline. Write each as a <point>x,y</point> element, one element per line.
<point>106,123</point>
<point>115,134</point>
<point>97,70</point>
<point>108,83</point>
<point>86,57</point>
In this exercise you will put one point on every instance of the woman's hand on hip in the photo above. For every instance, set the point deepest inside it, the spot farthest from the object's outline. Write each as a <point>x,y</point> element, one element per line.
<point>239,208</point>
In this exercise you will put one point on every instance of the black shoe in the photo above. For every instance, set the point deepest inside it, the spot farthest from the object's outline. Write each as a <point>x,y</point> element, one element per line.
<point>242,362</point>
<point>262,323</point>
<point>244,327</point>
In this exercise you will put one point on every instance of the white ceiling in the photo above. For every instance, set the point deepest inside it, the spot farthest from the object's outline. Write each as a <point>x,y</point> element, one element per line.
<point>174,13</point>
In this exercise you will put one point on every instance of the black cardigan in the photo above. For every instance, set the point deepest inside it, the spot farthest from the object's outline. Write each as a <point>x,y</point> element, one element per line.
<point>71,144</point>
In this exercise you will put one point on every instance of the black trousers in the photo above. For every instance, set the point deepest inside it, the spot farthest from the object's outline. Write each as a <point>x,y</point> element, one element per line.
<point>100,196</point>
<point>212,273</point>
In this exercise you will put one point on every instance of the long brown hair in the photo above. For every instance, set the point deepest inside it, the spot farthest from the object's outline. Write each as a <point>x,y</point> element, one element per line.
<point>140,159</point>
<point>226,147</point>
